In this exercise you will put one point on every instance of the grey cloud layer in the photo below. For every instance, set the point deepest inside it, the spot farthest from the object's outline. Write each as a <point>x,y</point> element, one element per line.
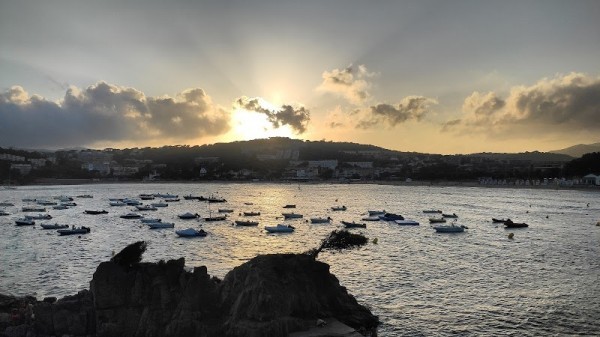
<point>105,112</point>
<point>410,108</point>
<point>350,83</point>
<point>296,118</point>
<point>561,104</point>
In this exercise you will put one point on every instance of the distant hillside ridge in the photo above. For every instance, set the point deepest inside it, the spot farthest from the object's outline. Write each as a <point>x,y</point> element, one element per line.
<point>534,156</point>
<point>579,150</point>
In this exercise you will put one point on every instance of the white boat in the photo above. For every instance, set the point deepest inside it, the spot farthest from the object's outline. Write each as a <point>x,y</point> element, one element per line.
<point>145,208</point>
<point>39,217</point>
<point>151,220</point>
<point>160,204</point>
<point>371,218</point>
<point>406,222</point>
<point>131,216</point>
<point>117,203</point>
<point>190,232</point>
<point>25,222</point>
<point>246,223</point>
<point>291,215</point>
<point>451,228</point>
<point>73,231</point>
<point>280,228</point>
<point>158,225</point>
<point>53,226</point>
<point>338,208</point>
<point>4,213</point>
<point>320,220</point>
<point>188,215</point>
<point>132,202</point>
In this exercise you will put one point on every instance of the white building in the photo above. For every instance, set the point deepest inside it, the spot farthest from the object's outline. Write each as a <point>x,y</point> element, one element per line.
<point>591,179</point>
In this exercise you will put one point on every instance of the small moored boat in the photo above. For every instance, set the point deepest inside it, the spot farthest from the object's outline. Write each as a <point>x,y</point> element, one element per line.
<point>53,226</point>
<point>391,217</point>
<point>24,222</point>
<point>353,224</point>
<point>251,213</point>
<point>406,222</point>
<point>291,215</point>
<point>4,213</point>
<point>245,223</point>
<point>320,220</point>
<point>190,232</point>
<point>159,225</point>
<point>131,216</point>
<point>437,220</point>
<point>188,215</point>
<point>499,220</point>
<point>95,212</point>
<point>160,204</point>
<point>430,211</point>
<point>280,228</point>
<point>509,224</point>
<point>150,220</point>
<point>225,210</point>
<point>372,213</point>
<point>339,208</point>
<point>33,209</point>
<point>371,218</point>
<point>216,217</point>
<point>289,206</point>
<point>74,230</point>
<point>39,217</point>
<point>451,228</point>
<point>146,208</point>
<point>453,215</point>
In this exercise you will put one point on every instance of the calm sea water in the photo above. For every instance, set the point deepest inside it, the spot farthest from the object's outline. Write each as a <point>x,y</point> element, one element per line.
<point>546,281</point>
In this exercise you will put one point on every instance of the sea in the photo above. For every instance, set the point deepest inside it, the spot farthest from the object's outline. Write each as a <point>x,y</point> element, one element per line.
<point>545,281</point>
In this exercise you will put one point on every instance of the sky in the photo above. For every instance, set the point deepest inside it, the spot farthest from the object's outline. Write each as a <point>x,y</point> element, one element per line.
<point>426,76</point>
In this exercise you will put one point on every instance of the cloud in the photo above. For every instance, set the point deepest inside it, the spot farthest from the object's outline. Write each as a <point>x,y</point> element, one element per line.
<point>350,83</point>
<point>106,113</point>
<point>296,118</point>
<point>409,108</point>
<point>563,104</point>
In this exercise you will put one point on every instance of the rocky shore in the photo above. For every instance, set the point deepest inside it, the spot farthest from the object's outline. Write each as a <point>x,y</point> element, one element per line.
<point>270,295</point>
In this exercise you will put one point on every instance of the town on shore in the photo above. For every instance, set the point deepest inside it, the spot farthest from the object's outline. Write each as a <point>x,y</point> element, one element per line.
<point>280,159</point>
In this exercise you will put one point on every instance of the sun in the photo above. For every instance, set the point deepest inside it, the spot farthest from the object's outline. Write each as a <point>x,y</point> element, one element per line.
<point>249,125</point>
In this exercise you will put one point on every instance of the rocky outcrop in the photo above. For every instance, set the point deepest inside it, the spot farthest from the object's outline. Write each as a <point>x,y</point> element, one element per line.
<point>270,295</point>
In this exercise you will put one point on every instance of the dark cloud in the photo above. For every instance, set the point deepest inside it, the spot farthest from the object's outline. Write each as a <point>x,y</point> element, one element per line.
<point>349,83</point>
<point>296,118</point>
<point>566,104</point>
<point>449,125</point>
<point>410,108</point>
<point>106,113</point>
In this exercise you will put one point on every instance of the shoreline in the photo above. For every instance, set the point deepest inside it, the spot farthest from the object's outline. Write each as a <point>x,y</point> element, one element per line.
<point>67,182</point>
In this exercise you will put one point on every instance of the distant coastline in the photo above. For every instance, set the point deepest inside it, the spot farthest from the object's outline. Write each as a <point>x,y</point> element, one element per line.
<point>441,183</point>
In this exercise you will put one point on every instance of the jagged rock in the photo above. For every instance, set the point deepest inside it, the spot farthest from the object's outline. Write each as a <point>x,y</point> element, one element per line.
<point>130,255</point>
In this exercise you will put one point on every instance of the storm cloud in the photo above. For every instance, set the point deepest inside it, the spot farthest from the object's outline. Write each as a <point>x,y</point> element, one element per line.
<point>561,104</point>
<point>350,83</point>
<point>106,113</point>
<point>410,108</point>
<point>296,118</point>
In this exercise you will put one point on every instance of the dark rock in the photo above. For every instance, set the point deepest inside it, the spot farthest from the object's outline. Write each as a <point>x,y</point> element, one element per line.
<point>130,255</point>
<point>50,300</point>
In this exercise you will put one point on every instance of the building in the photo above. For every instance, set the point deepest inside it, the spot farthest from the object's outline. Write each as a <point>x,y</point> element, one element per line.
<point>23,169</point>
<point>11,157</point>
<point>591,179</point>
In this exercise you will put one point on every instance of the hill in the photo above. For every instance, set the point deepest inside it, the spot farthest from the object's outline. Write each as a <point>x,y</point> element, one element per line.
<point>579,150</point>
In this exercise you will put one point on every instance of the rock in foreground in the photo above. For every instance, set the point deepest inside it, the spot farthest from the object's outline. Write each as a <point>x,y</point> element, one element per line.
<point>270,295</point>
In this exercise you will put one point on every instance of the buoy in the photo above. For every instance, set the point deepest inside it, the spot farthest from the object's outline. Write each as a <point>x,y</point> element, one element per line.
<point>375,240</point>
<point>598,223</point>
<point>511,235</point>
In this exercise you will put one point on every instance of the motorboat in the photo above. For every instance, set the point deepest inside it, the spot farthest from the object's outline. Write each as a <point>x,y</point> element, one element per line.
<point>60,207</point>
<point>24,222</point>
<point>6,204</point>
<point>453,215</point>
<point>53,226</point>
<point>391,217</point>
<point>372,213</point>
<point>74,230</point>
<point>86,196</point>
<point>289,206</point>
<point>245,223</point>
<point>172,199</point>
<point>46,202</point>
<point>371,218</point>
<point>33,209</point>
<point>406,222</point>
<point>166,195</point>
<point>160,204</point>
<point>117,203</point>
<point>95,212</point>
<point>145,208</point>
<point>291,215</point>
<point>188,215</point>
<point>251,213</point>
<point>432,211</point>
<point>159,225</point>
<point>509,224</point>
<point>437,220</point>
<point>4,213</point>
<point>339,208</point>
<point>146,196</point>
<point>132,202</point>
<point>131,216</point>
<point>280,228</point>
<point>69,204</point>
<point>39,217</point>
<point>353,224</point>
<point>215,199</point>
<point>190,232</point>
<point>499,220</point>
<point>216,217</point>
<point>451,228</point>
<point>225,210</point>
<point>192,197</point>
<point>320,220</point>
<point>150,220</point>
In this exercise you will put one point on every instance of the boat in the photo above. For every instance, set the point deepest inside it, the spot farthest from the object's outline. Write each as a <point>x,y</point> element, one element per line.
<point>371,218</point>
<point>145,208</point>
<point>509,224</point>
<point>192,197</point>
<point>159,225</point>
<point>60,207</point>
<point>69,203</point>
<point>437,220</point>
<point>338,208</point>
<point>160,204</point>
<point>46,202</point>
<point>353,224</point>
<point>131,202</point>
<point>372,213</point>
<point>251,213</point>
<point>280,228</point>
<point>291,215</point>
<point>249,203</point>
<point>190,232</point>
<point>406,222</point>
<point>245,223</point>
<point>216,217</point>
<point>6,204</point>
<point>53,226</point>
<point>25,222</point>
<point>188,215</point>
<point>225,210</point>
<point>28,200</point>
<point>39,217</point>
<point>432,211</point>
<point>72,231</point>
<point>391,217</point>
<point>499,220</point>
<point>4,213</point>
<point>451,228</point>
<point>146,196</point>
<point>94,212</point>
<point>166,195</point>
<point>320,220</point>
<point>131,216</point>
<point>453,215</point>
<point>33,209</point>
<point>87,196</point>
<point>150,220</point>
<point>289,206</point>
<point>215,199</point>
<point>171,199</point>
<point>117,203</point>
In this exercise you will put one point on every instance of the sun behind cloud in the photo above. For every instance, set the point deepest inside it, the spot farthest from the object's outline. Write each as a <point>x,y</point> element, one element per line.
<point>247,125</point>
